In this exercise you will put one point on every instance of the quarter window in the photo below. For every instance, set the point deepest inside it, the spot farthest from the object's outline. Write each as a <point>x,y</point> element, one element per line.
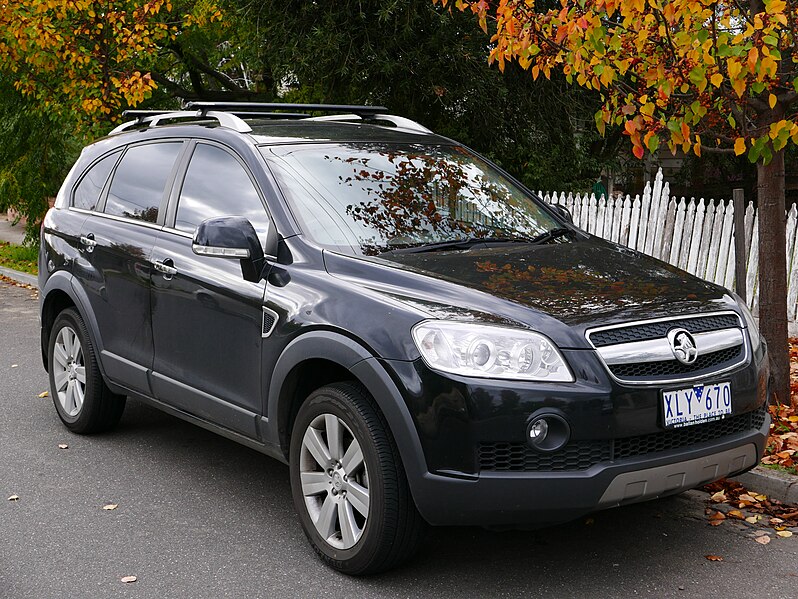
<point>88,191</point>
<point>217,185</point>
<point>138,183</point>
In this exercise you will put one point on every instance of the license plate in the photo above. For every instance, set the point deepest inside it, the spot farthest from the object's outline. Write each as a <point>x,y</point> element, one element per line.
<point>700,403</point>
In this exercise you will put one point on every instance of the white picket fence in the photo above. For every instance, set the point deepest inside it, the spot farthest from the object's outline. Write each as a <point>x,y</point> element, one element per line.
<point>695,236</point>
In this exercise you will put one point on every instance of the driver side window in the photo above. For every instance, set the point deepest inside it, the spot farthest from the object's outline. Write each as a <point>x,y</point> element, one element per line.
<point>216,184</point>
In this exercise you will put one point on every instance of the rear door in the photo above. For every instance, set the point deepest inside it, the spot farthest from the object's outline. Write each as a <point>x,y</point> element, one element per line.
<point>116,241</point>
<point>207,319</point>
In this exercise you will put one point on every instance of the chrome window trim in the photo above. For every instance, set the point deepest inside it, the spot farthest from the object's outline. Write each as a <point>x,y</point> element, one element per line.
<point>671,380</point>
<point>121,219</point>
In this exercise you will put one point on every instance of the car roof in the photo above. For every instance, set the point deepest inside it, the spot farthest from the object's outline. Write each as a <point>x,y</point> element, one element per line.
<point>270,132</point>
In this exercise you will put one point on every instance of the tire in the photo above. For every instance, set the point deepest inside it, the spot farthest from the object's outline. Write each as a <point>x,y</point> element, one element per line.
<point>368,532</point>
<point>82,399</point>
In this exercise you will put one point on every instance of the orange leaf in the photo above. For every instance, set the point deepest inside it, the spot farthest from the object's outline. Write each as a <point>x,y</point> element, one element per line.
<point>739,146</point>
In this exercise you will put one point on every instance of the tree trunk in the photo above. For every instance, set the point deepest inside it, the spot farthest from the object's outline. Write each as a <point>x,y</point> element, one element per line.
<point>773,272</point>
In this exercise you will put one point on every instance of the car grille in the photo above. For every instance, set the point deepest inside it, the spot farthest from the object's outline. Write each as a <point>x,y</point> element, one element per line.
<point>641,353</point>
<point>581,455</point>
<point>652,330</point>
<point>706,362</point>
<point>520,457</point>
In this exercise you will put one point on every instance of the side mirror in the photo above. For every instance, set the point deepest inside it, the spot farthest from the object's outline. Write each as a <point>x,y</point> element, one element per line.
<point>231,237</point>
<point>564,213</point>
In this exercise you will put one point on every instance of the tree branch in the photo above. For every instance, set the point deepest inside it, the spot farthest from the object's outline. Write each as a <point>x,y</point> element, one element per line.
<point>711,150</point>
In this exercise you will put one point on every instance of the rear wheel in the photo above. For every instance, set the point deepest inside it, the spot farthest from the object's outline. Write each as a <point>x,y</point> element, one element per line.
<point>348,483</point>
<point>82,399</point>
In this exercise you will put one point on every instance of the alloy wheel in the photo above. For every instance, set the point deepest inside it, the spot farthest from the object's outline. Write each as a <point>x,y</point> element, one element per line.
<point>334,481</point>
<point>69,371</point>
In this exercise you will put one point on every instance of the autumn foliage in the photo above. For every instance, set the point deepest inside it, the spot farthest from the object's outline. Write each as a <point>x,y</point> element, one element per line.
<point>85,56</point>
<point>686,74</point>
<point>782,446</point>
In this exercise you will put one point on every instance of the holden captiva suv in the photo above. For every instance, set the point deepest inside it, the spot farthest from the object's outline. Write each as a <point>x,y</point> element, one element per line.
<point>419,337</point>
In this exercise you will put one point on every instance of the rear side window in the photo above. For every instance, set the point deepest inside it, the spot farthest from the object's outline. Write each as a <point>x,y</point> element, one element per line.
<point>217,185</point>
<point>138,184</point>
<point>88,191</point>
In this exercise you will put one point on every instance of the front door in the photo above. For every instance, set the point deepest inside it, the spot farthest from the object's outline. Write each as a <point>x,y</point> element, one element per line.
<point>207,319</point>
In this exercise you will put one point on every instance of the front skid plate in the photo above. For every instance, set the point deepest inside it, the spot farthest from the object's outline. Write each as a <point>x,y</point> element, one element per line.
<point>650,483</point>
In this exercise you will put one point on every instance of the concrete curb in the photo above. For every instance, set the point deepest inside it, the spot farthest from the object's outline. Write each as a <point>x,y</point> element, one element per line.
<point>773,483</point>
<point>20,277</point>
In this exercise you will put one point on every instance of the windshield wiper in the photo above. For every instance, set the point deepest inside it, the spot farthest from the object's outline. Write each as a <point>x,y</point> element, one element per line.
<point>458,244</point>
<point>552,235</point>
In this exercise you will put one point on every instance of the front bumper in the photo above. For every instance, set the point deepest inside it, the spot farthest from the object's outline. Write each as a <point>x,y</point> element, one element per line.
<point>511,499</point>
<point>463,425</point>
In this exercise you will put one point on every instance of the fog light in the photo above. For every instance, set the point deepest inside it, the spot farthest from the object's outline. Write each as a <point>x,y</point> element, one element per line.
<point>548,432</point>
<point>538,431</point>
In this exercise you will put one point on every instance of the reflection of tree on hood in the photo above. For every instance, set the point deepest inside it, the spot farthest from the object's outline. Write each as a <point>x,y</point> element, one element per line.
<point>571,288</point>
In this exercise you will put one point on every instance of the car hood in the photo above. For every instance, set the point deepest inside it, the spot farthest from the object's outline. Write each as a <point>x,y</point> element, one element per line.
<point>580,283</point>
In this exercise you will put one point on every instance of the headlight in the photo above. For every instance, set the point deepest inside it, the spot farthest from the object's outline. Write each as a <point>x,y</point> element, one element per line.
<point>753,330</point>
<point>489,351</point>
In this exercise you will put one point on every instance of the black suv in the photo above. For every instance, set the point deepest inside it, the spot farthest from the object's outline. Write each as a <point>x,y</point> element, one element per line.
<point>417,335</point>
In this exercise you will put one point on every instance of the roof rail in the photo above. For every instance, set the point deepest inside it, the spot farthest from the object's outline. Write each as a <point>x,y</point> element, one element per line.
<point>153,117</point>
<point>231,114</point>
<point>399,122</point>
<point>271,106</point>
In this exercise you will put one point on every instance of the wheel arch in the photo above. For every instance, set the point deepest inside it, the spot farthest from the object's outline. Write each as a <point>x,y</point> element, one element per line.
<point>59,293</point>
<point>339,358</point>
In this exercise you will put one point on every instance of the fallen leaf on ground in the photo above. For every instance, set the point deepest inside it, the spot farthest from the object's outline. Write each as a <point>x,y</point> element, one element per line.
<point>63,446</point>
<point>785,534</point>
<point>14,498</point>
<point>763,540</point>
<point>771,512</point>
<point>719,497</point>
<point>44,394</point>
<point>128,579</point>
<point>718,516</point>
<point>111,506</point>
<point>714,558</point>
<point>752,519</point>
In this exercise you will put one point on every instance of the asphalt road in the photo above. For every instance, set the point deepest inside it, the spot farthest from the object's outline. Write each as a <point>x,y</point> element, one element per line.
<point>200,516</point>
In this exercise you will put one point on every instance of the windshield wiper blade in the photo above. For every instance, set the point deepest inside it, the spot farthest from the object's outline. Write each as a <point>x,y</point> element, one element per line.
<point>457,244</point>
<point>552,235</point>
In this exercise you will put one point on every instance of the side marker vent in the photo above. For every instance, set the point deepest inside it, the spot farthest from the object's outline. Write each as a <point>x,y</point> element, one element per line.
<point>269,322</point>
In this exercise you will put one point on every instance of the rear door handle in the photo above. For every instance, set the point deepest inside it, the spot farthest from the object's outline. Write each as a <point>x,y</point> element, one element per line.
<point>87,241</point>
<point>165,267</point>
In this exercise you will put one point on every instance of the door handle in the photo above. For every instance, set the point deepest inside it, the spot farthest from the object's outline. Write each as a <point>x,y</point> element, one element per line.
<point>87,241</point>
<point>166,268</point>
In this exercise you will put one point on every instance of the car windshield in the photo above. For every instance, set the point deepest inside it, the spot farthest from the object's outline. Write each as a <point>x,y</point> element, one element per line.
<point>377,197</point>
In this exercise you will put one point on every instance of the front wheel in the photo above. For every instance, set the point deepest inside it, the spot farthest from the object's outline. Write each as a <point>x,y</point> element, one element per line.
<point>83,401</point>
<point>348,483</point>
